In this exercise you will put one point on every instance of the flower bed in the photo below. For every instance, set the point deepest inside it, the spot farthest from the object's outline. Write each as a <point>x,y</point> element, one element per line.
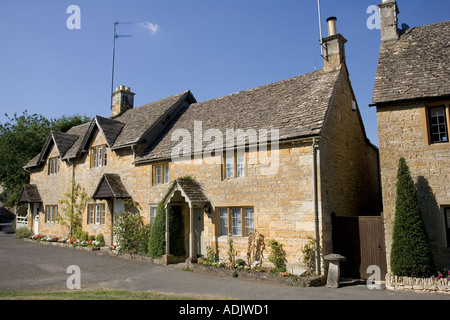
<point>92,244</point>
<point>257,273</point>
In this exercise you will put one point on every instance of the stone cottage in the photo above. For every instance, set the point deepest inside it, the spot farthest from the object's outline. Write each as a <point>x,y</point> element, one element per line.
<point>279,159</point>
<point>412,97</point>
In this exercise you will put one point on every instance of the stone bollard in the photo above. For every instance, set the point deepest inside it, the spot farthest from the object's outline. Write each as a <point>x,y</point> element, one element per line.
<point>334,272</point>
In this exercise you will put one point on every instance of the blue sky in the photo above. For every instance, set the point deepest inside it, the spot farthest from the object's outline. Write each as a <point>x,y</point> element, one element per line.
<point>211,47</point>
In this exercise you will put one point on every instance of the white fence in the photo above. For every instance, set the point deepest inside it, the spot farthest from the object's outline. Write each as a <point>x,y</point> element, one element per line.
<point>21,221</point>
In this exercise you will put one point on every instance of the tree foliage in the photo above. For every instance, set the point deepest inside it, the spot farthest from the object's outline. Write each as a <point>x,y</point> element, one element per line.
<point>411,250</point>
<point>157,240</point>
<point>72,207</point>
<point>21,139</point>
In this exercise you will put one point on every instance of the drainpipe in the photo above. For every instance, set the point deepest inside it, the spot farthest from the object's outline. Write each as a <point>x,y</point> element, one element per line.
<point>72,191</point>
<point>315,146</point>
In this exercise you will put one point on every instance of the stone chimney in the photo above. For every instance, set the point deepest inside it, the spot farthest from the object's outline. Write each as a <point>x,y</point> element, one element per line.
<point>388,20</point>
<point>333,47</point>
<point>123,100</point>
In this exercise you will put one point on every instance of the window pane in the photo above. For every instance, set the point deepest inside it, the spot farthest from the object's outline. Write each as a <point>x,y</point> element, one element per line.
<point>438,125</point>
<point>94,154</point>
<point>240,167</point>
<point>153,211</point>
<point>166,174</point>
<point>223,221</point>
<point>102,214</point>
<point>158,175</point>
<point>229,168</point>
<point>236,221</point>
<point>97,214</point>
<point>249,221</point>
<point>91,213</point>
<point>100,156</point>
<point>105,156</point>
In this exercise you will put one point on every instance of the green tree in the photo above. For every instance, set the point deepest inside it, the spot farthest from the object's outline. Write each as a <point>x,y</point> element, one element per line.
<point>411,250</point>
<point>72,207</point>
<point>21,139</point>
<point>65,123</point>
<point>157,240</point>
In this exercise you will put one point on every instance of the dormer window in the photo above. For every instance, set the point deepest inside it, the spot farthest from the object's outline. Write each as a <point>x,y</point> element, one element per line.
<point>54,165</point>
<point>99,156</point>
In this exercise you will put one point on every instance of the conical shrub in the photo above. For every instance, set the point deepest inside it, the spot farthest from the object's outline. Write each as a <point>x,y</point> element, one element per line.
<point>411,250</point>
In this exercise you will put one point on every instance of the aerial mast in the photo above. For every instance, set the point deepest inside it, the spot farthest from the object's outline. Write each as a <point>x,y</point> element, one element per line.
<point>116,36</point>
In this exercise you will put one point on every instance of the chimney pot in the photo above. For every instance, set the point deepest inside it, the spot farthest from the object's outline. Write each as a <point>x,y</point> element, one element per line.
<point>333,47</point>
<point>332,29</point>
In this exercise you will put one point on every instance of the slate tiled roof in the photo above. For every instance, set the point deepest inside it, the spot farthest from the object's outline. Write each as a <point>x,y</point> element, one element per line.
<point>297,107</point>
<point>189,188</point>
<point>79,131</point>
<point>192,190</point>
<point>111,128</point>
<point>63,143</point>
<point>416,66</point>
<point>123,130</point>
<point>111,186</point>
<point>137,121</point>
<point>30,194</point>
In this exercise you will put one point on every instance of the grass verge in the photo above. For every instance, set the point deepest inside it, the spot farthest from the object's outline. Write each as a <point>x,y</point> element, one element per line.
<point>98,294</point>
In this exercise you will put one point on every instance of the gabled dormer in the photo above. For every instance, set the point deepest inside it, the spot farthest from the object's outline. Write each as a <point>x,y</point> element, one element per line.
<point>55,148</point>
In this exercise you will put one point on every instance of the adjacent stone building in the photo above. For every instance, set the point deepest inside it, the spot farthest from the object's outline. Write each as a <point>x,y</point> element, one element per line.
<point>279,159</point>
<point>412,97</point>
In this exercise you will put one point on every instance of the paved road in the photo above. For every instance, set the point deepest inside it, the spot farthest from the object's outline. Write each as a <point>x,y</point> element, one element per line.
<point>25,265</point>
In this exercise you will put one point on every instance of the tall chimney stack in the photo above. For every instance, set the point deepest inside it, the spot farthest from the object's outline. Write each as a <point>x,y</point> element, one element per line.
<point>123,100</point>
<point>333,50</point>
<point>388,20</point>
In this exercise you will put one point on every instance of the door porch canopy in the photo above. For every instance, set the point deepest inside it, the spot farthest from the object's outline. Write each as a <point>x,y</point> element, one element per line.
<point>110,187</point>
<point>30,194</point>
<point>195,198</point>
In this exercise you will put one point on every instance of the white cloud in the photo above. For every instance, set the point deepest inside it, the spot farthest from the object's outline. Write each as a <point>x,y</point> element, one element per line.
<point>154,28</point>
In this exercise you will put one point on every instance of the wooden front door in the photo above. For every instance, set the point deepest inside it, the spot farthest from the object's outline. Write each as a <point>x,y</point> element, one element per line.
<point>361,241</point>
<point>199,227</point>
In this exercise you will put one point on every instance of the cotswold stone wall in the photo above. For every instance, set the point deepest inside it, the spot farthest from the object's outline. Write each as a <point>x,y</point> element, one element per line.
<point>53,188</point>
<point>403,133</point>
<point>417,284</point>
<point>282,201</point>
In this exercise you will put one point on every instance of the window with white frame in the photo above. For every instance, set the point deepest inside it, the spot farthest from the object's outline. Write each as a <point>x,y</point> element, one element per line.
<point>51,214</point>
<point>153,211</point>
<point>96,213</point>
<point>99,156</point>
<point>237,221</point>
<point>54,165</point>
<point>161,174</point>
<point>234,166</point>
